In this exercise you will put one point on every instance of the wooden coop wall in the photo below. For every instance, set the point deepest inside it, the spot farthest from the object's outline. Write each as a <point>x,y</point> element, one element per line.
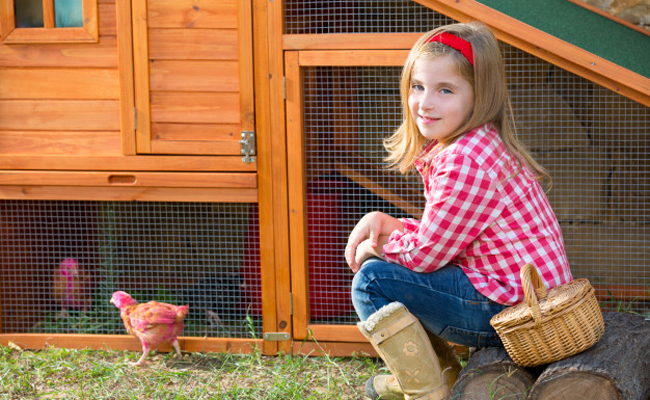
<point>343,99</point>
<point>124,154</point>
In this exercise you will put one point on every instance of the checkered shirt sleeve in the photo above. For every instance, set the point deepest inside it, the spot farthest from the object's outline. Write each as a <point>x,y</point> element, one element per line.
<point>462,203</point>
<point>483,218</point>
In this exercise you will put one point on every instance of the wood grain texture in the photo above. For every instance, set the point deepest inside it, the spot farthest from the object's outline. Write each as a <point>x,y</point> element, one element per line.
<point>614,368</point>
<point>126,342</point>
<point>192,44</point>
<point>199,14</point>
<point>136,163</point>
<point>61,143</point>
<point>129,179</point>
<point>491,374</point>
<point>59,115</point>
<point>193,107</point>
<point>194,76</point>
<point>59,84</point>
<point>141,193</point>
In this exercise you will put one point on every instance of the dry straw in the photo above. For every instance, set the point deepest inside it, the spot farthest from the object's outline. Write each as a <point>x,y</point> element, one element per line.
<point>549,326</point>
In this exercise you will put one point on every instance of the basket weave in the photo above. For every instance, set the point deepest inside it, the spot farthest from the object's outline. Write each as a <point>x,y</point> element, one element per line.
<point>563,322</point>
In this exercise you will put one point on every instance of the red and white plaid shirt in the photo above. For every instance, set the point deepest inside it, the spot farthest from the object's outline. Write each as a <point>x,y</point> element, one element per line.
<point>479,217</point>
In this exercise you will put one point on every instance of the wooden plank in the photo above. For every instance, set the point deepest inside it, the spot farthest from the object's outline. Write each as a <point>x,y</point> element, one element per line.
<point>126,75</point>
<point>102,193</point>
<point>141,76</point>
<point>267,206</point>
<point>196,147</point>
<point>49,35</point>
<point>202,132</point>
<point>280,169</point>
<point>91,25</point>
<point>333,349</point>
<point>196,14</point>
<point>353,57</point>
<point>193,44</point>
<point>129,178</point>
<point>343,333</point>
<point>222,139</point>
<point>103,163</point>
<point>48,14</point>
<point>343,41</point>
<point>62,83</point>
<point>200,76</point>
<point>246,78</point>
<point>193,107</point>
<point>7,18</point>
<point>68,115</point>
<point>107,19</point>
<point>60,143</point>
<point>297,201</point>
<point>99,55</point>
<point>125,342</point>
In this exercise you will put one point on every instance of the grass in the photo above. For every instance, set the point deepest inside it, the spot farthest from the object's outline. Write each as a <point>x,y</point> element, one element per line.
<point>58,373</point>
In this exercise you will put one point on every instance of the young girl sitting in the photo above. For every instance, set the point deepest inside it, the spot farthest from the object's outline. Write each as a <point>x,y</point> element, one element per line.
<point>421,283</point>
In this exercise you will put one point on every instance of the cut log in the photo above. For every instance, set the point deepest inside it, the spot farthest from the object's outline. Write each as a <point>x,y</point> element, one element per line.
<point>615,368</point>
<point>491,374</point>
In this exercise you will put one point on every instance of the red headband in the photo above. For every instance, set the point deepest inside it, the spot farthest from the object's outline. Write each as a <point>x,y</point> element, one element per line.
<point>455,42</point>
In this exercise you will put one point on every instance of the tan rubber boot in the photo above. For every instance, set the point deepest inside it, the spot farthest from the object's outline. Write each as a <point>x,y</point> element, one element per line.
<point>386,387</point>
<point>447,358</point>
<point>404,346</point>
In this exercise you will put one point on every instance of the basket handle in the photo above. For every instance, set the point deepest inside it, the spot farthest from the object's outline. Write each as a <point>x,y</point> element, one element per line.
<point>534,289</point>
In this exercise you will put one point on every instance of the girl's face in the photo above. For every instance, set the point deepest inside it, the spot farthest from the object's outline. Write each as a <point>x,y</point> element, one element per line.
<point>440,100</point>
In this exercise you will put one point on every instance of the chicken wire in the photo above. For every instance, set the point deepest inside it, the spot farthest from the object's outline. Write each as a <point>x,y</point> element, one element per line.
<point>593,142</point>
<point>205,255</point>
<point>365,16</point>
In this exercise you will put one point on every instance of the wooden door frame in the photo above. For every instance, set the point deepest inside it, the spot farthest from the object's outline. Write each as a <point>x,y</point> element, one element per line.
<point>336,339</point>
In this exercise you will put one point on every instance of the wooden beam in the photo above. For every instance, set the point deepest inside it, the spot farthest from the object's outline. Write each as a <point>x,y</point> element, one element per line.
<point>125,342</point>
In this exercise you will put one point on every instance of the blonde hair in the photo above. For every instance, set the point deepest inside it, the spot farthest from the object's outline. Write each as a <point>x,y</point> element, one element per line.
<point>491,97</point>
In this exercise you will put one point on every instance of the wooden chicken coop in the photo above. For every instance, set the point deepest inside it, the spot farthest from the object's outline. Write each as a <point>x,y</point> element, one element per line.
<point>217,153</point>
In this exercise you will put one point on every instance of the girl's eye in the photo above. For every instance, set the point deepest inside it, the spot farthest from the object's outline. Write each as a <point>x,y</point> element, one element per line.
<point>446,91</point>
<point>416,86</point>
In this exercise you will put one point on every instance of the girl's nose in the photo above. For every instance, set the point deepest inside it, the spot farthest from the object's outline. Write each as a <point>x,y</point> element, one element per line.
<point>426,102</point>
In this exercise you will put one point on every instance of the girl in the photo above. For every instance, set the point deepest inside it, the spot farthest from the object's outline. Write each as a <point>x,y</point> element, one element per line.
<point>420,283</point>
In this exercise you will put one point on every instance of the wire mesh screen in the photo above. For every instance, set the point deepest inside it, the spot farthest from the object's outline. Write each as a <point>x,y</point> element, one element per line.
<point>62,260</point>
<point>594,143</point>
<point>365,16</point>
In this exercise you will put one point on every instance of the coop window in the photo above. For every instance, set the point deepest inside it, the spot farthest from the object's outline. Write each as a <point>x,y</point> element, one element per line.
<point>205,255</point>
<point>49,21</point>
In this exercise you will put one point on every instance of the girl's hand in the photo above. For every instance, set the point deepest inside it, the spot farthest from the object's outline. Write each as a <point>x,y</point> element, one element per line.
<point>370,228</point>
<point>365,250</point>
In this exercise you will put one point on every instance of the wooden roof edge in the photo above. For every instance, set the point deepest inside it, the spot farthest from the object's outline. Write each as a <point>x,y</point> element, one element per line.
<point>548,47</point>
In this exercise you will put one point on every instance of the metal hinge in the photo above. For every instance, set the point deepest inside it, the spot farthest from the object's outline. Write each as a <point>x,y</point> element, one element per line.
<point>276,336</point>
<point>284,87</point>
<point>134,120</point>
<point>248,146</point>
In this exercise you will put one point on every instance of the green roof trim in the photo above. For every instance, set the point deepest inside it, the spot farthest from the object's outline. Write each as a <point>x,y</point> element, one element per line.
<point>583,28</point>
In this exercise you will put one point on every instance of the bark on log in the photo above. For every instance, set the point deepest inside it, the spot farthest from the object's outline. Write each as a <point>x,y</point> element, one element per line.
<point>615,368</point>
<point>491,374</point>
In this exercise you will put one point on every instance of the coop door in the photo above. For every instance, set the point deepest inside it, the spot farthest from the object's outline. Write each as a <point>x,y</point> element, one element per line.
<point>193,77</point>
<point>340,106</point>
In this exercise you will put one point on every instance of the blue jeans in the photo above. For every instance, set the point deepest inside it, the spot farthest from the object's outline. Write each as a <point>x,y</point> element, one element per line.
<point>444,301</point>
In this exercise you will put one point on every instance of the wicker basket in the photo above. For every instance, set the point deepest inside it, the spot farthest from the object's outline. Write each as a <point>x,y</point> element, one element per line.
<point>560,324</point>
